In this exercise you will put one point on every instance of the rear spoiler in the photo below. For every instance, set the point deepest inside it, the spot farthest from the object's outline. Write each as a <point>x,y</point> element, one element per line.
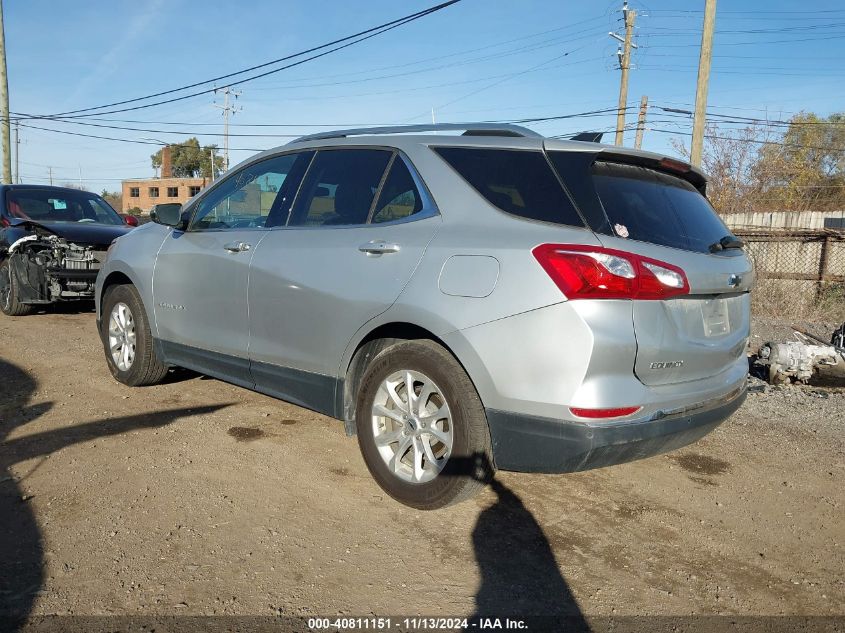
<point>667,165</point>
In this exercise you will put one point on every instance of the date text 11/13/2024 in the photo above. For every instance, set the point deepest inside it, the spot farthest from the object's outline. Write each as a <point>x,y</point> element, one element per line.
<point>414,623</point>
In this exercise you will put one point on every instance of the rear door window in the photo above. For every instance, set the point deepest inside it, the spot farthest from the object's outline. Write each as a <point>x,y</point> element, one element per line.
<point>339,187</point>
<point>651,206</point>
<point>519,182</point>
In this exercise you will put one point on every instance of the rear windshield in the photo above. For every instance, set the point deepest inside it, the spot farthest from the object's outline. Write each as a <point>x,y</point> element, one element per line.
<point>518,182</point>
<point>650,206</point>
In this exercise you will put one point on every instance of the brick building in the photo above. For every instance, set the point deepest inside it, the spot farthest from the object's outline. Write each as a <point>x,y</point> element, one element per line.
<point>146,192</point>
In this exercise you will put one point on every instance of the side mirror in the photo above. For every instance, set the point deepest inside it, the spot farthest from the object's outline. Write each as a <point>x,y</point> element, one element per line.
<point>169,215</point>
<point>130,220</point>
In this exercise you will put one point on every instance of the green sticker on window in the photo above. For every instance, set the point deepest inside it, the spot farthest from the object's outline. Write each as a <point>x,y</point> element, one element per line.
<point>58,204</point>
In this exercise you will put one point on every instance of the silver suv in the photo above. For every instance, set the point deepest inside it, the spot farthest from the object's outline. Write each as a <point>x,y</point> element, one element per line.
<point>494,299</point>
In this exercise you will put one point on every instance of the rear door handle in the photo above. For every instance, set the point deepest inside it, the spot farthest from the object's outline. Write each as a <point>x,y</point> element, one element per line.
<point>378,247</point>
<point>237,247</point>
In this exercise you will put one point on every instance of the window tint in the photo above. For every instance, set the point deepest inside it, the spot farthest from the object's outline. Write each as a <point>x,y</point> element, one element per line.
<point>339,187</point>
<point>399,197</point>
<point>518,182</point>
<point>252,197</point>
<point>650,206</point>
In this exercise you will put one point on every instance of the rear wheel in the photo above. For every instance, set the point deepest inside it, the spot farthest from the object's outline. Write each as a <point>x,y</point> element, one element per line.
<point>127,339</point>
<point>421,426</point>
<point>9,293</point>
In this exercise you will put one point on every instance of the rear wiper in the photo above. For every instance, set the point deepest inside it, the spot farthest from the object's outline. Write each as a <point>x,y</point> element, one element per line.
<point>729,241</point>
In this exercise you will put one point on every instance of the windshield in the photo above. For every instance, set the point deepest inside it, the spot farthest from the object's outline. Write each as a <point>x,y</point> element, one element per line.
<point>50,205</point>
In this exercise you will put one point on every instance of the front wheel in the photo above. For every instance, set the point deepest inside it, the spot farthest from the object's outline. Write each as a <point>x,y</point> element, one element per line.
<point>421,426</point>
<point>127,339</point>
<point>10,303</point>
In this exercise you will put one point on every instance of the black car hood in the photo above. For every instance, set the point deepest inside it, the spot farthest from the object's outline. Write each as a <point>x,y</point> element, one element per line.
<point>76,232</point>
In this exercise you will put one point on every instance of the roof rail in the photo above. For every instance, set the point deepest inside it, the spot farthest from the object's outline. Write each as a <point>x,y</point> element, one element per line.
<point>470,129</point>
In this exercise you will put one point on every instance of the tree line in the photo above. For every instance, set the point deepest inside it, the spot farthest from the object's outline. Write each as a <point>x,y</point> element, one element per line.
<point>761,167</point>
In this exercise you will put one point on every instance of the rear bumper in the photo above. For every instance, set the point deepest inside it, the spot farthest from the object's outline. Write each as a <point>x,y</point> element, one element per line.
<point>533,444</point>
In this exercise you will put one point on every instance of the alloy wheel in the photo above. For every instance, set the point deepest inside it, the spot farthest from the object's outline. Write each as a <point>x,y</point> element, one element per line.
<point>122,336</point>
<point>412,426</point>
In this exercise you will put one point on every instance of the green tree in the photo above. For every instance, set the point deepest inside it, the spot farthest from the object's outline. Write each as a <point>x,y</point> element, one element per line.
<point>797,167</point>
<point>189,160</point>
<point>806,170</point>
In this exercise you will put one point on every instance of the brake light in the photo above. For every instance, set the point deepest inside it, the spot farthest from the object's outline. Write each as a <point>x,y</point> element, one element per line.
<point>617,412</point>
<point>595,272</point>
<point>674,165</point>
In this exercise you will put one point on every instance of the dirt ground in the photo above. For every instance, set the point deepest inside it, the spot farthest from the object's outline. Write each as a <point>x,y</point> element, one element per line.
<point>197,497</point>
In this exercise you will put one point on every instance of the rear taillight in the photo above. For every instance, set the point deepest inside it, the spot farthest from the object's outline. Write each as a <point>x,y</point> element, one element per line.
<point>595,272</point>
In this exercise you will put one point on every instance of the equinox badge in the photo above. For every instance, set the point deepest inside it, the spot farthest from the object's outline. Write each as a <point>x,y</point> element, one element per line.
<point>669,364</point>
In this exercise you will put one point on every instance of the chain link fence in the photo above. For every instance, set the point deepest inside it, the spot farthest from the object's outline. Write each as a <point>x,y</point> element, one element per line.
<point>800,272</point>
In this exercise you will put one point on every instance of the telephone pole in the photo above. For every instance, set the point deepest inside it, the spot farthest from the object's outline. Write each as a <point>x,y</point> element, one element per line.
<point>50,172</point>
<point>700,117</point>
<point>638,142</point>
<point>17,152</point>
<point>5,130</point>
<point>624,55</point>
<point>227,109</point>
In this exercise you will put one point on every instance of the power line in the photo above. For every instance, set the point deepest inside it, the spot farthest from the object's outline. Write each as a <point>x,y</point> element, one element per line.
<point>567,39</point>
<point>748,140</point>
<point>125,140</point>
<point>742,119</point>
<point>187,132</point>
<point>754,43</point>
<point>769,11</point>
<point>372,31</point>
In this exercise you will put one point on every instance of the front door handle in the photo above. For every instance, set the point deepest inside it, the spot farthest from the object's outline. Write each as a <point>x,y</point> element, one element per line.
<point>237,247</point>
<point>378,247</point>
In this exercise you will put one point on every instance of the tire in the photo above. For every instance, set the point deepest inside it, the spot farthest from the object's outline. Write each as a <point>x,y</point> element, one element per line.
<point>124,317</point>
<point>452,409</point>
<point>9,293</point>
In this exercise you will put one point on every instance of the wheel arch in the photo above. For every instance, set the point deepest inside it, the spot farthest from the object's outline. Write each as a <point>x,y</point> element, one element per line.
<point>367,348</point>
<point>114,277</point>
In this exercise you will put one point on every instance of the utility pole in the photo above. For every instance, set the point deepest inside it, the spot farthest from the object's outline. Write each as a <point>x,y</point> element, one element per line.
<point>227,109</point>
<point>80,177</point>
<point>5,130</point>
<point>211,151</point>
<point>50,172</point>
<point>17,152</point>
<point>700,117</point>
<point>624,55</point>
<point>638,142</point>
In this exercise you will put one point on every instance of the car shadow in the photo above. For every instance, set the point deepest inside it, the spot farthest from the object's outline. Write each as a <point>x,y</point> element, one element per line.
<point>66,307</point>
<point>21,542</point>
<point>520,575</point>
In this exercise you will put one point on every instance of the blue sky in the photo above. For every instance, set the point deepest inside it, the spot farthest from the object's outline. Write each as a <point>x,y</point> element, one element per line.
<point>477,60</point>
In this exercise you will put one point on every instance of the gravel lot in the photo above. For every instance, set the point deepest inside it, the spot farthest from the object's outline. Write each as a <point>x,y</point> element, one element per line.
<point>197,497</point>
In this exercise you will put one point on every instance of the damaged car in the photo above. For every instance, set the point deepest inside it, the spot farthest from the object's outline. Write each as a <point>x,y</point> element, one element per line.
<point>52,242</point>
